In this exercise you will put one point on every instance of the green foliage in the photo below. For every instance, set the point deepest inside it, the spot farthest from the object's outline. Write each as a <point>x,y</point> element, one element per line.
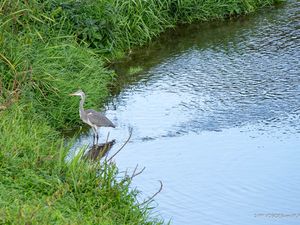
<point>113,25</point>
<point>135,70</point>
<point>203,10</point>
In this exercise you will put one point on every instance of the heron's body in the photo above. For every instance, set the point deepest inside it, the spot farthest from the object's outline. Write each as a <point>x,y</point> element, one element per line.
<point>91,117</point>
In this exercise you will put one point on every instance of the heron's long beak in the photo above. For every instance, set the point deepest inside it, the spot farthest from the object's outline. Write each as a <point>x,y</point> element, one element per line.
<point>73,94</point>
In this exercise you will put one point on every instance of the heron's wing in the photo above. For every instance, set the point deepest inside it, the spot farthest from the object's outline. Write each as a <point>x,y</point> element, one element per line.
<point>98,118</point>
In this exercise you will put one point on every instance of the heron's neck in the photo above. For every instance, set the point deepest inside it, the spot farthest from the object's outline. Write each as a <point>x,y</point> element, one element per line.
<point>81,109</point>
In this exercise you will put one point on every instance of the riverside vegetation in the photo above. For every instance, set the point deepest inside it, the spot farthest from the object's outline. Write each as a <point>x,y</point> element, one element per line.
<point>48,49</point>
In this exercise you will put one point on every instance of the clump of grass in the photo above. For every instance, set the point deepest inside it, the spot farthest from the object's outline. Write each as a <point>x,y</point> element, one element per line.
<point>111,26</point>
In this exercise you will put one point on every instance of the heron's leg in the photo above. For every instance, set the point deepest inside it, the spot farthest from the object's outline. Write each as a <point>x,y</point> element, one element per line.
<point>95,140</point>
<point>94,136</point>
<point>97,137</point>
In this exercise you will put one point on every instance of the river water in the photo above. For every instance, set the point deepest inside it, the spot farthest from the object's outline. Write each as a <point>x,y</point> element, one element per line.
<point>215,113</point>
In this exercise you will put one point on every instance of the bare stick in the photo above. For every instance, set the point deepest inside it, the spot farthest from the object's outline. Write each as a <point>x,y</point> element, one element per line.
<point>152,197</point>
<point>107,137</point>
<point>130,133</point>
<point>134,170</point>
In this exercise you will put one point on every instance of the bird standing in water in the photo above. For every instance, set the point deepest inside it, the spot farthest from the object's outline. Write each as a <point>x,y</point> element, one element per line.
<point>91,117</point>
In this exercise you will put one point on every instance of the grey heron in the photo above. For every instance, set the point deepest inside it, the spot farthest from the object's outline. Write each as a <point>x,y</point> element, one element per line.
<point>91,117</point>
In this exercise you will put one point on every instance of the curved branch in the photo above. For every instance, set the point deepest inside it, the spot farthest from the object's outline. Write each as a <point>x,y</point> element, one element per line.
<point>152,197</point>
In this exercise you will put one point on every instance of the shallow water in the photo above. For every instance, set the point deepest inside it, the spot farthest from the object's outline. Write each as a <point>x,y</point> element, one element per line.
<point>215,114</point>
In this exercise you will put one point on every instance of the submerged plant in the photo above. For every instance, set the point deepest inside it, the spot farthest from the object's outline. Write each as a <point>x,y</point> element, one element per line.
<point>135,70</point>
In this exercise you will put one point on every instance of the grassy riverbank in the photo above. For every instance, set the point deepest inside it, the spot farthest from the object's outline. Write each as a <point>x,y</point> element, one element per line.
<point>47,50</point>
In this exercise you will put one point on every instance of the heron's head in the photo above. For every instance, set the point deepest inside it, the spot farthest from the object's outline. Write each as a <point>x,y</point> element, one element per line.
<point>78,93</point>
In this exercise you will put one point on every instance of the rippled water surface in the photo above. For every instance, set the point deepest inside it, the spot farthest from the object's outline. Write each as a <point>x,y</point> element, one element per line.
<point>215,114</point>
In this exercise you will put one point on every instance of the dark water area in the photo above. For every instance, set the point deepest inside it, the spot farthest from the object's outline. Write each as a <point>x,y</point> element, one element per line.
<point>215,113</point>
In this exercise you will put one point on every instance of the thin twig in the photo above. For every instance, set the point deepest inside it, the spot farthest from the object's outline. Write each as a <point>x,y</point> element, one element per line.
<point>134,170</point>
<point>134,174</point>
<point>152,197</point>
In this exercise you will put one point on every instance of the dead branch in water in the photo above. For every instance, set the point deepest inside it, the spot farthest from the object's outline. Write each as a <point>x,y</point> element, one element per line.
<point>153,196</point>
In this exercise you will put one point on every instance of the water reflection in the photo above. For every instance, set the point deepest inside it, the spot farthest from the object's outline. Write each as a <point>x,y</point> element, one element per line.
<point>215,115</point>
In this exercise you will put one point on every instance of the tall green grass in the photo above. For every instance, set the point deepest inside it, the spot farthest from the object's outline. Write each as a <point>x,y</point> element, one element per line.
<point>49,49</point>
